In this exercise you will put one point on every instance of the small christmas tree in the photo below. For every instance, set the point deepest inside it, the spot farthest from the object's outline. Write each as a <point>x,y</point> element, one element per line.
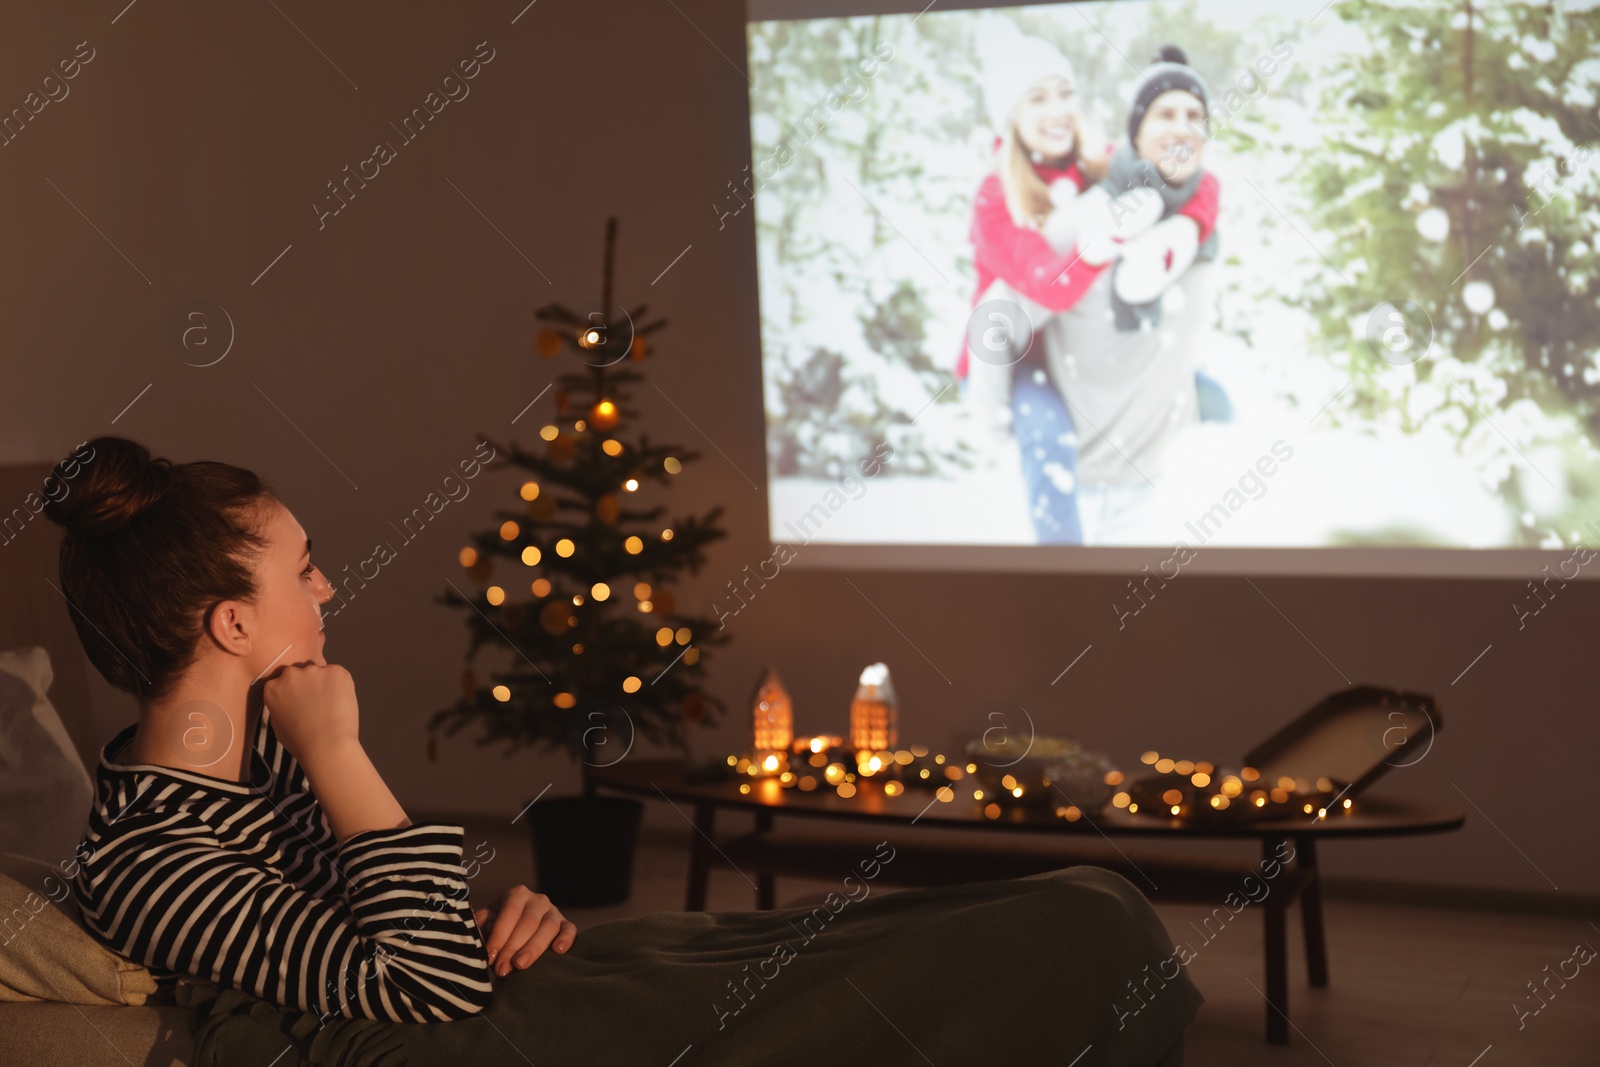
<point>575,582</point>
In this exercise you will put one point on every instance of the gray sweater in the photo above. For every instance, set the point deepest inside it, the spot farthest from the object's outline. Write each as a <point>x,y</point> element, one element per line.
<point>1131,393</point>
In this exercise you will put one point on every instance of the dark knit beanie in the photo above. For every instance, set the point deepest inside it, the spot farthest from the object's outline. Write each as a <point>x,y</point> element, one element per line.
<point>1170,70</point>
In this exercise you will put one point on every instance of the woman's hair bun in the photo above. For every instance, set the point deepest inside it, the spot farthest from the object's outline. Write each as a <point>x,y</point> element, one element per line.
<point>104,485</point>
<point>1171,53</point>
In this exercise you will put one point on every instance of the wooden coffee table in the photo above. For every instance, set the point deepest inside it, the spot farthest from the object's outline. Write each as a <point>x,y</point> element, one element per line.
<point>1023,840</point>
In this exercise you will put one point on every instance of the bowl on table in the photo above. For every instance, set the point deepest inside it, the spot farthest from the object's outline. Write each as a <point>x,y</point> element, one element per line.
<point>1085,780</point>
<point>1041,770</point>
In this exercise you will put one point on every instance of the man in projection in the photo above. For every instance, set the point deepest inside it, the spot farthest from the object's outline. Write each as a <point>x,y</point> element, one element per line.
<point>1124,357</point>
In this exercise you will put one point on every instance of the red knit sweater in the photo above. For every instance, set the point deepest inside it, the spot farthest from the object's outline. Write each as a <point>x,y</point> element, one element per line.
<point>1024,259</point>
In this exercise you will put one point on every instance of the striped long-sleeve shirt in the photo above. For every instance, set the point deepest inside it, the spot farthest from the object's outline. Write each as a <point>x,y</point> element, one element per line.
<point>244,884</point>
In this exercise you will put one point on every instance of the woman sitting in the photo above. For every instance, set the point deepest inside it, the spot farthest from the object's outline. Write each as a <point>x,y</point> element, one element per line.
<point>267,856</point>
<point>240,834</point>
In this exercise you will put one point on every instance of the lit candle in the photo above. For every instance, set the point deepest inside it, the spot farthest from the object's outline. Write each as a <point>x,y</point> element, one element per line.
<point>767,763</point>
<point>818,745</point>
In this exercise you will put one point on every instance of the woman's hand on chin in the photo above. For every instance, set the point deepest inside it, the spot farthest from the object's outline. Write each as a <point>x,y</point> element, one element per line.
<point>313,707</point>
<point>521,925</point>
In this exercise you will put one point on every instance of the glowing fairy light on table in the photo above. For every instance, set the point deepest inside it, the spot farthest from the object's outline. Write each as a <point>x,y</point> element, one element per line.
<point>820,745</point>
<point>763,765</point>
<point>814,759</point>
<point>1188,788</point>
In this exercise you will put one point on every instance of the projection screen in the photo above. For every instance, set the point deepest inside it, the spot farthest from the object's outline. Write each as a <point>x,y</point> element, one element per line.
<point>1236,286</point>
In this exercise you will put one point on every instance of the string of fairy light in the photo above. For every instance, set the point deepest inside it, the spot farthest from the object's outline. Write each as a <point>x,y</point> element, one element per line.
<point>1186,787</point>
<point>779,760</point>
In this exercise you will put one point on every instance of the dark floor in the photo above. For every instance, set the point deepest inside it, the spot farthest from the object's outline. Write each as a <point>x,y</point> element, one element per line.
<point>1410,985</point>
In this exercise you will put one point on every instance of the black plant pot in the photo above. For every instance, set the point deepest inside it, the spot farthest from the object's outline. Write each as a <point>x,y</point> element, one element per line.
<point>583,849</point>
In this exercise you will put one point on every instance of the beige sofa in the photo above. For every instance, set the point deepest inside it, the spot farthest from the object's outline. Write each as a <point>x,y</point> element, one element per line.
<point>33,613</point>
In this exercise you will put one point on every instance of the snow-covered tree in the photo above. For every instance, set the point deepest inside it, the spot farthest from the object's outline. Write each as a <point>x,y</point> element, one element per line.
<point>1459,170</point>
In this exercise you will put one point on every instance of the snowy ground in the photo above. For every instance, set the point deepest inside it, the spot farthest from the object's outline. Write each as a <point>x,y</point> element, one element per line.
<point>979,507</point>
<point>1334,486</point>
<point>1341,483</point>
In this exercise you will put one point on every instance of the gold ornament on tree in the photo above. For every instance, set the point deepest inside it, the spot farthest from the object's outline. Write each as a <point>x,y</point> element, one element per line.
<point>547,342</point>
<point>694,706</point>
<point>554,617</point>
<point>606,509</point>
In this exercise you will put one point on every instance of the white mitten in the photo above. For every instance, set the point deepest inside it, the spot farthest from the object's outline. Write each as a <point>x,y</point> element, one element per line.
<point>1096,243</point>
<point>1134,212</point>
<point>1155,259</point>
<point>1106,221</point>
<point>1063,191</point>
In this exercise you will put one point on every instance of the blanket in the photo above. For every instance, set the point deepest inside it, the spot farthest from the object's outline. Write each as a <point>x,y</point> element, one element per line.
<point>1062,967</point>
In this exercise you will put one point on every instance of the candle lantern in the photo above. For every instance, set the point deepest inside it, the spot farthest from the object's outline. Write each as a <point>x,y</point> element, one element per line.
<point>872,712</point>
<point>771,715</point>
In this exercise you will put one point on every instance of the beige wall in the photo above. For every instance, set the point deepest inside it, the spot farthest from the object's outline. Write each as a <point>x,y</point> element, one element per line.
<point>196,141</point>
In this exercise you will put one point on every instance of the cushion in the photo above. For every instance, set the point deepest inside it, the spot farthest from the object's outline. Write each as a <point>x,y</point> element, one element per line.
<point>45,953</point>
<point>41,1034</point>
<point>45,792</point>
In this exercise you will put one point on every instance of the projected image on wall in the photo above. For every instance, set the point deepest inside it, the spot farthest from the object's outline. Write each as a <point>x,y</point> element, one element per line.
<point>1141,273</point>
